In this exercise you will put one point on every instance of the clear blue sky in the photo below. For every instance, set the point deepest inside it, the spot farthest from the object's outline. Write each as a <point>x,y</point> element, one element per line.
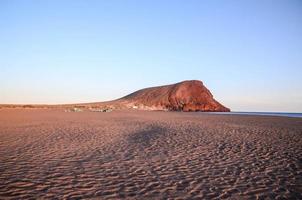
<point>248,53</point>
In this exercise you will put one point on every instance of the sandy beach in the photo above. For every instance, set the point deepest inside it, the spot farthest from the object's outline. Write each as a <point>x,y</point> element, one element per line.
<point>51,154</point>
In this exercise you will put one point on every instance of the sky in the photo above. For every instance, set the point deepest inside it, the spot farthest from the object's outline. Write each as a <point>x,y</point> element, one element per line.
<point>247,53</point>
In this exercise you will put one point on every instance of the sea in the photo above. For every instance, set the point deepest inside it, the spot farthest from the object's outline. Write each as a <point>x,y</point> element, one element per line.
<point>279,114</point>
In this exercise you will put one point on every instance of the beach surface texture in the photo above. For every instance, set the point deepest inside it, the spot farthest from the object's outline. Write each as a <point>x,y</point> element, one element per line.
<point>52,154</point>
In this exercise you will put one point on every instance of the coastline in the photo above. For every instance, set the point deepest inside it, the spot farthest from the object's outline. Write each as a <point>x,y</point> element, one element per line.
<point>273,114</point>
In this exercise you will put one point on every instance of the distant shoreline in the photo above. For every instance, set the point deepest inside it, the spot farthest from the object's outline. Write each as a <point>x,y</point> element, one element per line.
<point>277,114</point>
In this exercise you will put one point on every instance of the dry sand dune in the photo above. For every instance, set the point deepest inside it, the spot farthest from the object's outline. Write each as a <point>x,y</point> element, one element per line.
<point>148,155</point>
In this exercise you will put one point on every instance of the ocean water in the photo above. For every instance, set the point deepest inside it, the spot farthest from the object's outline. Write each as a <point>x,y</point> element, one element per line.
<point>279,114</point>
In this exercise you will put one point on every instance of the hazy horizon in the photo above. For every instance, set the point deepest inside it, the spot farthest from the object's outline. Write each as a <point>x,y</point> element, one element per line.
<point>247,53</point>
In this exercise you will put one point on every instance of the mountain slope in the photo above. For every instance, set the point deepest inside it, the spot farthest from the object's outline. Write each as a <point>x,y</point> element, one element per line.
<point>183,96</point>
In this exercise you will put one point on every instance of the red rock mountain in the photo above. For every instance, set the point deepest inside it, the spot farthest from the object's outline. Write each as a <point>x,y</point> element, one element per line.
<point>183,96</point>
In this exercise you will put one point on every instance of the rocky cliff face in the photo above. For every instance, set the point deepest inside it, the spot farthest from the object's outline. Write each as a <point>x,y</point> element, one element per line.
<point>183,96</point>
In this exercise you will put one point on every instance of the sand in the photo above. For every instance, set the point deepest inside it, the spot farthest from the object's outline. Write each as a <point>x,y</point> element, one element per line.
<point>51,154</point>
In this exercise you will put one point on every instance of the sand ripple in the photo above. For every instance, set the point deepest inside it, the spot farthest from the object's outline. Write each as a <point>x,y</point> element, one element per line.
<point>151,155</point>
